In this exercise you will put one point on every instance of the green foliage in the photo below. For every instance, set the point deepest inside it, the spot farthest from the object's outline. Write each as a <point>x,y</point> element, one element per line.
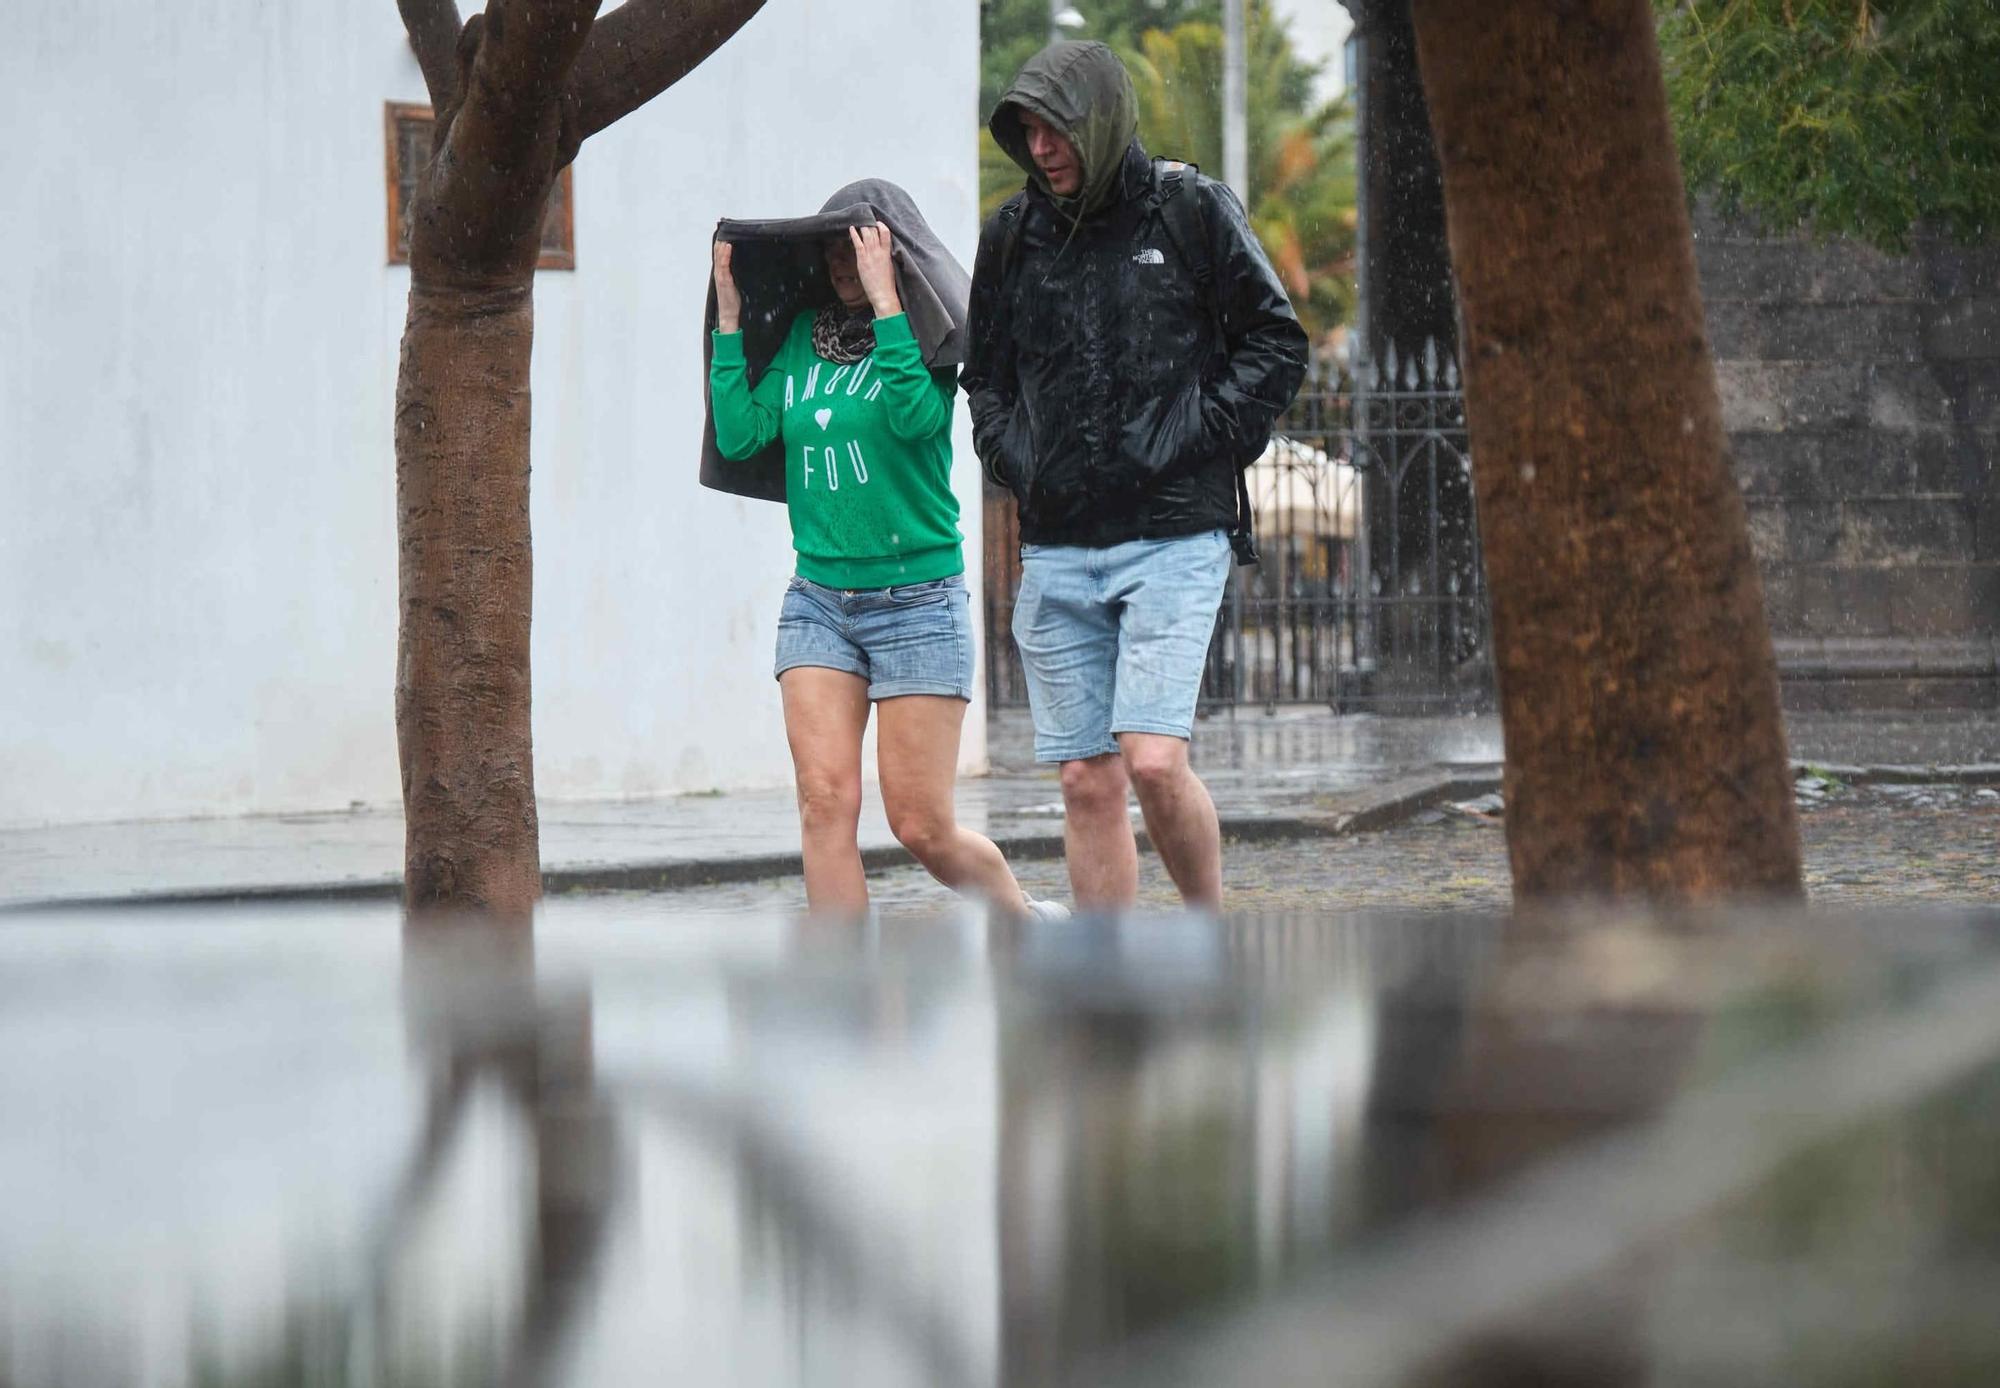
<point>1868,118</point>
<point>1301,157</point>
<point>1302,195</point>
<point>1013,31</point>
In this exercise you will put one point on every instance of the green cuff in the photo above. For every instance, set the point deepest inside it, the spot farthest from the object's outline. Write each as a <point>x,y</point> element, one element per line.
<point>894,330</point>
<point>728,349</point>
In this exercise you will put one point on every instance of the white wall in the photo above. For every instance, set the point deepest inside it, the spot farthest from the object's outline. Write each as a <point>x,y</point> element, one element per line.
<point>198,347</point>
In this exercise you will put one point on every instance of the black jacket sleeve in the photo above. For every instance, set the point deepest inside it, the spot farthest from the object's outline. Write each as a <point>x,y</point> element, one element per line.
<point>1266,347</point>
<point>989,378</point>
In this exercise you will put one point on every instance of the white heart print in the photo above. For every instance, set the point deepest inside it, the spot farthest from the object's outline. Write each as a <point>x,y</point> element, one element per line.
<point>824,417</point>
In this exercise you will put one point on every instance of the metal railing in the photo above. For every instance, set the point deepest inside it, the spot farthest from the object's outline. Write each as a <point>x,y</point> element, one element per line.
<point>1370,592</point>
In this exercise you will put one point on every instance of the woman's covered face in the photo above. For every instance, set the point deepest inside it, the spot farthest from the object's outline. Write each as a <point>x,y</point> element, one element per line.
<point>846,279</point>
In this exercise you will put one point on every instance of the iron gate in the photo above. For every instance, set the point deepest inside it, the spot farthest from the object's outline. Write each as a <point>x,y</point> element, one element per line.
<point>1370,593</point>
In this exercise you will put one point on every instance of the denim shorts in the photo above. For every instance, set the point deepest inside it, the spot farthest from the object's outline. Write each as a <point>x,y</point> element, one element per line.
<point>1114,640</point>
<point>912,639</point>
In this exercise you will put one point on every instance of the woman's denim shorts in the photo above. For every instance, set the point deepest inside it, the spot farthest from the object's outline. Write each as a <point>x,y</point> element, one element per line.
<point>911,639</point>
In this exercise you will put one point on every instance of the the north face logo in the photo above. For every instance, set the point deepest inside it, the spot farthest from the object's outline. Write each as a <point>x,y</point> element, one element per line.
<point>1150,256</point>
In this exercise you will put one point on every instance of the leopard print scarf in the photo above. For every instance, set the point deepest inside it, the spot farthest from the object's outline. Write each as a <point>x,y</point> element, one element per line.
<point>844,336</point>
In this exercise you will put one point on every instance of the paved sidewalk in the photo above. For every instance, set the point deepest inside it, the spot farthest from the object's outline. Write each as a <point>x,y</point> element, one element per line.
<point>1298,770</point>
<point>1262,770</point>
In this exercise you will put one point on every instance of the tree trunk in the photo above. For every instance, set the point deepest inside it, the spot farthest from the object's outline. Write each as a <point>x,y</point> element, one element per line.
<point>1419,517</point>
<point>1639,696</point>
<point>1407,273</point>
<point>471,840</point>
<point>466,593</point>
<point>516,90</point>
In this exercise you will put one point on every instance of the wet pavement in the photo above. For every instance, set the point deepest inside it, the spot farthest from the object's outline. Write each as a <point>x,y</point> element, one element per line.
<point>1292,738</point>
<point>251,1146</point>
<point>1257,768</point>
<point>1863,844</point>
<point>1261,768</point>
<point>1896,739</point>
<point>1253,741</point>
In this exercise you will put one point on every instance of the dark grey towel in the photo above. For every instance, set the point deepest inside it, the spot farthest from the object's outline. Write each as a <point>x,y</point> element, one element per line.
<point>780,270</point>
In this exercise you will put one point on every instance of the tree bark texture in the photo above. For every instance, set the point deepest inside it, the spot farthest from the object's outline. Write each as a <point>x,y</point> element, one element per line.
<point>466,580</point>
<point>466,593</point>
<point>1639,697</point>
<point>513,102</point>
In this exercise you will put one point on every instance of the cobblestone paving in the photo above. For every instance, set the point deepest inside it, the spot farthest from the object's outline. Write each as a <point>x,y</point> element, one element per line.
<point>1903,843</point>
<point>1863,845</point>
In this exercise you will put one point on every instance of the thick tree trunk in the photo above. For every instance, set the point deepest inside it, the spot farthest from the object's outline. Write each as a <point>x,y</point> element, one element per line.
<point>516,90</point>
<point>1639,696</point>
<point>466,592</point>
<point>463,725</point>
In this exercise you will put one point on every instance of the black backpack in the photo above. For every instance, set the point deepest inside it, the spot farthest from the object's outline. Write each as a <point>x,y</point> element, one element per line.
<point>1174,199</point>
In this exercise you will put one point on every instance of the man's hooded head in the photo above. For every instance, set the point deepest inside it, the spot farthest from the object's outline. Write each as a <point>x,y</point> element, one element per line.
<point>1083,93</point>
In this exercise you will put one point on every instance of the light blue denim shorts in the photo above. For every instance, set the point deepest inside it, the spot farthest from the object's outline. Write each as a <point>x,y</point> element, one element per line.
<point>1114,640</point>
<point>915,638</point>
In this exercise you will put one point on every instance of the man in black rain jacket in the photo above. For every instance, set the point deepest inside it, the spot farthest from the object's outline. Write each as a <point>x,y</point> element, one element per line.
<point>1129,354</point>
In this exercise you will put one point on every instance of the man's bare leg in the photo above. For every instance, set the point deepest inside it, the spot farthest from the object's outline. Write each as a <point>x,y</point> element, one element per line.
<point>1097,834</point>
<point>1180,816</point>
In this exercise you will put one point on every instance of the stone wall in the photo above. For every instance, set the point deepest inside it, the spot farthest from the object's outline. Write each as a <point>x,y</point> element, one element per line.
<point>1862,396</point>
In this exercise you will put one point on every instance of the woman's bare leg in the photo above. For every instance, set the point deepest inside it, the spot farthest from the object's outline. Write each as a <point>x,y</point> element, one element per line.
<point>917,759</point>
<point>826,712</point>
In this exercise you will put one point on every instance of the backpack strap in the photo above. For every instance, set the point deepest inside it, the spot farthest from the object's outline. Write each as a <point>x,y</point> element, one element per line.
<point>1005,229</point>
<point>1178,201</point>
<point>1176,197</point>
<point>999,245</point>
<point>1010,221</point>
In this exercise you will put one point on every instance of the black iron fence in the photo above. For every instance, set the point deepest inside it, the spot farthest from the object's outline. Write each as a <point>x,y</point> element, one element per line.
<point>1370,592</point>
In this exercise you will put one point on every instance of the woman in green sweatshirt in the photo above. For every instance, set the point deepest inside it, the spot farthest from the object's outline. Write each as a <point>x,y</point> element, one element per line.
<point>878,614</point>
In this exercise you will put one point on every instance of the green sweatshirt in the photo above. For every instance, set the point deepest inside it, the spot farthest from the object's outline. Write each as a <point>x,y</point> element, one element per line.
<point>867,453</point>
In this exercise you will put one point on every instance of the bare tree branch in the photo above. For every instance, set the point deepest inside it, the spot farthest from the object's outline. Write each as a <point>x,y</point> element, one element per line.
<point>499,148</point>
<point>645,46</point>
<point>526,53</point>
<point>433,29</point>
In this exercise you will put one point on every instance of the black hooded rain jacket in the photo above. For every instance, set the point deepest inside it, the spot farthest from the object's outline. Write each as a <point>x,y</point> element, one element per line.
<point>1114,396</point>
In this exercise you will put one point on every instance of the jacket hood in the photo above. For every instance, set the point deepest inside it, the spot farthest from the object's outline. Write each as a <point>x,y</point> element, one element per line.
<point>1085,93</point>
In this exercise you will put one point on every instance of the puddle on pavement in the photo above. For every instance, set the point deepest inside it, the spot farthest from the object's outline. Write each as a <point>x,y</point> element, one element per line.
<point>264,1147</point>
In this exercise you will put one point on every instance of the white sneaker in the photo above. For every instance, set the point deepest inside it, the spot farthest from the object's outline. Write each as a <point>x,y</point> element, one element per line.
<point>1044,911</point>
